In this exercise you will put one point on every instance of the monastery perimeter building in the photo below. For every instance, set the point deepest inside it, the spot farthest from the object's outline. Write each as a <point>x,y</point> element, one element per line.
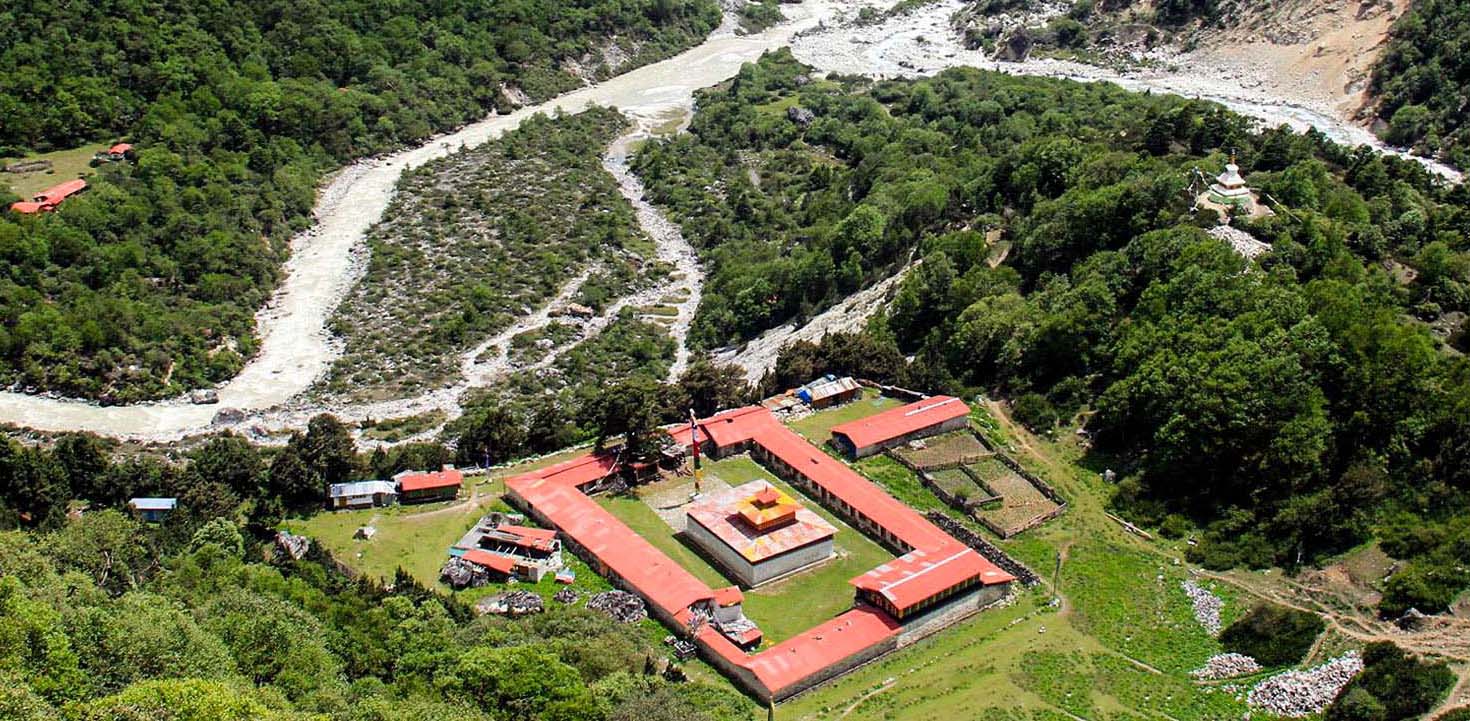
<point>935,580</point>
<point>897,426</point>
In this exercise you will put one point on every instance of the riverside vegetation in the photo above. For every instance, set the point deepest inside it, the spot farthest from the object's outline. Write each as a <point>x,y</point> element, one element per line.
<point>148,285</point>
<point>1287,408</point>
<point>473,239</point>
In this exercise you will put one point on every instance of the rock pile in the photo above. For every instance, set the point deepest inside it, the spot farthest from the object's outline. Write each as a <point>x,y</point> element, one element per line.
<point>1206,605</point>
<point>292,546</point>
<point>460,574</point>
<point>1302,693</point>
<point>1226,665</point>
<point>566,596</point>
<point>512,603</point>
<point>621,605</point>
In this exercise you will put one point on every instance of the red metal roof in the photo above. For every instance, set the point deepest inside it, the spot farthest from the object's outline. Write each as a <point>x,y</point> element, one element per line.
<point>810,652</point>
<point>410,481</point>
<point>120,148</point>
<point>728,596</point>
<point>492,561</point>
<point>61,191</point>
<point>901,421</point>
<point>579,471</point>
<point>655,576</point>
<point>527,537</point>
<point>913,577</point>
<point>26,206</point>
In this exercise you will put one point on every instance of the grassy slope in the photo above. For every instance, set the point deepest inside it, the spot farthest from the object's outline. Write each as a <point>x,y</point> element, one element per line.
<point>1120,647</point>
<point>66,164</point>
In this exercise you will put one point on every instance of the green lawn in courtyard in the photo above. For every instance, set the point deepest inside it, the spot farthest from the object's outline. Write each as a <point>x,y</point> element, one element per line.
<point>641,517</point>
<point>817,427</point>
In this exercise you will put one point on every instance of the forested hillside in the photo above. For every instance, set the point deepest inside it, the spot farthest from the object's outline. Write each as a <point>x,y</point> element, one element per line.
<point>148,284</point>
<point>1422,82</point>
<point>199,618</point>
<point>1290,406</point>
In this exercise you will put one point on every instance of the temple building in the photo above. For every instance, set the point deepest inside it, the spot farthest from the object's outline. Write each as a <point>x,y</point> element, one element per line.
<point>758,533</point>
<point>1229,194</point>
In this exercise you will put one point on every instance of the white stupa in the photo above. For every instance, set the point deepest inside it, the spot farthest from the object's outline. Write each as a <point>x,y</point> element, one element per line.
<point>1229,188</point>
<point>1230,195</point>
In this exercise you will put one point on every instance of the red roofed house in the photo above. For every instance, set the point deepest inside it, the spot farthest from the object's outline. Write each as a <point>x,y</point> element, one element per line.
<point>897,426</point>
<point>425,487</point>
<point>47,200</point>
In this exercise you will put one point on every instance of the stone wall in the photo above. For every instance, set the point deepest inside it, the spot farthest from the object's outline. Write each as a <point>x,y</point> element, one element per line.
<point>950,612</point>
<point>984,547</point>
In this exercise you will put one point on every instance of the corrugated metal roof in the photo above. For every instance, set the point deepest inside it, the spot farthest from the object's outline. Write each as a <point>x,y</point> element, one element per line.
<point>153,504</point>
<point>361,488</point>
<point>897,422</point>
<point>418,481</point>
<point>810,652</point>
<point>492,561</point>
<point>655,576</point>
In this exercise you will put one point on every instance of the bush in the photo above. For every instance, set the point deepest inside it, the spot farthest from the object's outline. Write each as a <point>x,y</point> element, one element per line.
<point>1034,411</point>
<point>1459,714</point>
<point>1273,635</point>
<point>1175,526</point>
<point>1392,686</point>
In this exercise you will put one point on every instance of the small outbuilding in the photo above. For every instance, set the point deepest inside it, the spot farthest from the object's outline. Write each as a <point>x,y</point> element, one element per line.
<point>429,486</point>
<point>152,510</point>
<point>829,390</point>
<point>361,494</point>
<point>897,426</point>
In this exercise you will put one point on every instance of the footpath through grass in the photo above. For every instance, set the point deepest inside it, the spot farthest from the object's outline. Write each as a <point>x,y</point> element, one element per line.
<point>1119,647</point>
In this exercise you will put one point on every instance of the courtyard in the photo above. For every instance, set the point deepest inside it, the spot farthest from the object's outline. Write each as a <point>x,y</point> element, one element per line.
<point>783,607</point>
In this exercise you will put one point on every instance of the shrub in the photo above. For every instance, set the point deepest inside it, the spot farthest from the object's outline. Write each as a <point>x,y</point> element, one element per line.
<point>1273,635</point>
<point>1035,412</point>
<point>1392,686</point>
<point>1175,526</point>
